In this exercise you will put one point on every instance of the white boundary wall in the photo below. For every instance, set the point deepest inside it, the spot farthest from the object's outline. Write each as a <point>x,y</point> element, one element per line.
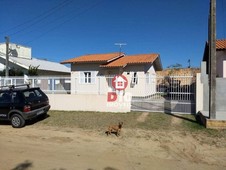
<point>199,93</point>
<point>87,102</point>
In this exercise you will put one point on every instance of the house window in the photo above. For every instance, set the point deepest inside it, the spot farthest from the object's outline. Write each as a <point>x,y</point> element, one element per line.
<point>87,77</point>
<point>135,78</point>
<point>150,78</point>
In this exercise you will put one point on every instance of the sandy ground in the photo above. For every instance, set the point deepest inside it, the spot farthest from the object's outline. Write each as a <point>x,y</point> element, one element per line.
<point>48,148</point>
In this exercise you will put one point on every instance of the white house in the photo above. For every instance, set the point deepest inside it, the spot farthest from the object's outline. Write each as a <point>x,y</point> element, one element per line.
<point>93,73</point>
<point>20,57</point>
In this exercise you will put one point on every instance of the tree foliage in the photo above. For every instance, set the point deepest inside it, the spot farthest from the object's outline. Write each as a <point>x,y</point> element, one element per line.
<point>12,72</point>
<point>175,66</point>
<point>33,70</point>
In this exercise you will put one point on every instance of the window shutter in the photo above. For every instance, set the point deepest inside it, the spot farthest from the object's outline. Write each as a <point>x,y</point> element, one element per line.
<point>93,77</point>
<point>81,77</point>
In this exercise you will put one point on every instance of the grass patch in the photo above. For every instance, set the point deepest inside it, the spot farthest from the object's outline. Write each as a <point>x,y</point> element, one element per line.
<point>156,121</point>
<point>88,120</point>
<point>153,121</point>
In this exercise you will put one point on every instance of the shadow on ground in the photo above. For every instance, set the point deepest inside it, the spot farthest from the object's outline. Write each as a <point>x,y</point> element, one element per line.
<point>28,122</point>
<point>183,117</point>
<point>23,166</point>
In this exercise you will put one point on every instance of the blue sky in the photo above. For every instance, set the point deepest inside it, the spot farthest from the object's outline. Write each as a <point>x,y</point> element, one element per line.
<point>61,29</point>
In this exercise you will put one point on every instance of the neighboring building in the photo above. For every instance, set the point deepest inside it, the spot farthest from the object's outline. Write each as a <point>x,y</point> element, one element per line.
<point>86,69</point>
<point>220,57</point>
<point>20,57</point>
<point>203,82</point>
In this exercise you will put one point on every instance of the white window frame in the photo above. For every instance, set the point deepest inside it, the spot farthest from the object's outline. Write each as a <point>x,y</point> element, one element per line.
<point>135,78</point>
<point>87,77</point>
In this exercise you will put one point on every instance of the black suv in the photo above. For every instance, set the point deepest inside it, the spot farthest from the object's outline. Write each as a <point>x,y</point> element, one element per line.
<point>20,103</point>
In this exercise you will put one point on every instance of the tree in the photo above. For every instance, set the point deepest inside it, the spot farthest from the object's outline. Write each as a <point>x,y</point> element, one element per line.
<point>175,66</point>
<point>12,72</point>
<point>15,72</point>
<point>33,70</point>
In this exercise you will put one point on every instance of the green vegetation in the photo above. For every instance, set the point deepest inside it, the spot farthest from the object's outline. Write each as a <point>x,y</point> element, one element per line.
<point>153,122</point>
<point>33,70</point>
<point>13,72</point>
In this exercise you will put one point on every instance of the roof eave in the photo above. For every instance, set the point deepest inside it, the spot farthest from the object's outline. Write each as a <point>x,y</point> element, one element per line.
<point>159,63</point>
<point>106,66</point>
<point>66,62</point>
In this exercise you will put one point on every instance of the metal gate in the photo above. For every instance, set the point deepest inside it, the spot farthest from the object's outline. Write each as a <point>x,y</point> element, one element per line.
<point>169,94</point>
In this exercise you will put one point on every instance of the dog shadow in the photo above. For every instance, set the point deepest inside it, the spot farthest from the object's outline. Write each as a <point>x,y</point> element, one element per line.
<point>114,133</point>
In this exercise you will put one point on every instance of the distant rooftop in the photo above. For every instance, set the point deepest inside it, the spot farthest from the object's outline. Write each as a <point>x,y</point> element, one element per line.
<point>221,44</point>
<point>22,56</point>
<point>43,64</point>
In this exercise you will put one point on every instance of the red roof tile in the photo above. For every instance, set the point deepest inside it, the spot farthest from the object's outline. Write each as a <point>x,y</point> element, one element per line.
<point>221,44</point>
<point>93,58</point>
<point>133,59</point>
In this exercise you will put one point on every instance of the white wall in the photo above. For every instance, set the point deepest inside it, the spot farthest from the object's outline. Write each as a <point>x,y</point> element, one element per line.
<point>224,69</point>
<point>199,93</point>
<point>101,85</point>
<point>87,103</point>
<point>75,76</point>
<point>142,88</point>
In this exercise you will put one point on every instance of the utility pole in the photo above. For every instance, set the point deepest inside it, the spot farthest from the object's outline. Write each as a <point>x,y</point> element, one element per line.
<point>212,60</point>
<point>7,57</point>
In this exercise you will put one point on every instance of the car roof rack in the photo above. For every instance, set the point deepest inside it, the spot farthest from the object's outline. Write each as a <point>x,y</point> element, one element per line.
<point>14,86</point>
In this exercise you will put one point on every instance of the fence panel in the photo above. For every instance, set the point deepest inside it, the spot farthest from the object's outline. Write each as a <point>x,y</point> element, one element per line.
<point>152,93</point>
<point>166,94</point>
<point>47,84</point>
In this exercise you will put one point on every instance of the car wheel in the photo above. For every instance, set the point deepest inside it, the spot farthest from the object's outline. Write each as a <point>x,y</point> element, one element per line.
<point>17,121</point>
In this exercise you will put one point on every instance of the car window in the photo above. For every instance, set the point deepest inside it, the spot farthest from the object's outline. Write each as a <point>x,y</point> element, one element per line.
<point>29,95</point>
<point>33,94</point>
<point>16,97</point>
<point>5,97</point>
<point>38,93</point>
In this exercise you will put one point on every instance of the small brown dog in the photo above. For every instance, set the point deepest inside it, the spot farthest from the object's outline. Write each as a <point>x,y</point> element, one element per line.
<point>115,128</point>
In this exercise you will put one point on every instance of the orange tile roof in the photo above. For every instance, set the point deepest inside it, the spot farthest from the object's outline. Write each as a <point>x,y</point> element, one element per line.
<point>94,58</point>
<point>221,44</point>
<point>133,59</point>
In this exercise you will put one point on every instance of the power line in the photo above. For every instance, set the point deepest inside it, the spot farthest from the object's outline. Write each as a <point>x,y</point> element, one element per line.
<point>33,21</point>
<point>74,16</point>
<point>40,20</point>
<point>50,22</point>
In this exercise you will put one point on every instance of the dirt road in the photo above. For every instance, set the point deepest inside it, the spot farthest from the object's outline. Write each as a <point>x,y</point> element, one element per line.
<point>48,148</point>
